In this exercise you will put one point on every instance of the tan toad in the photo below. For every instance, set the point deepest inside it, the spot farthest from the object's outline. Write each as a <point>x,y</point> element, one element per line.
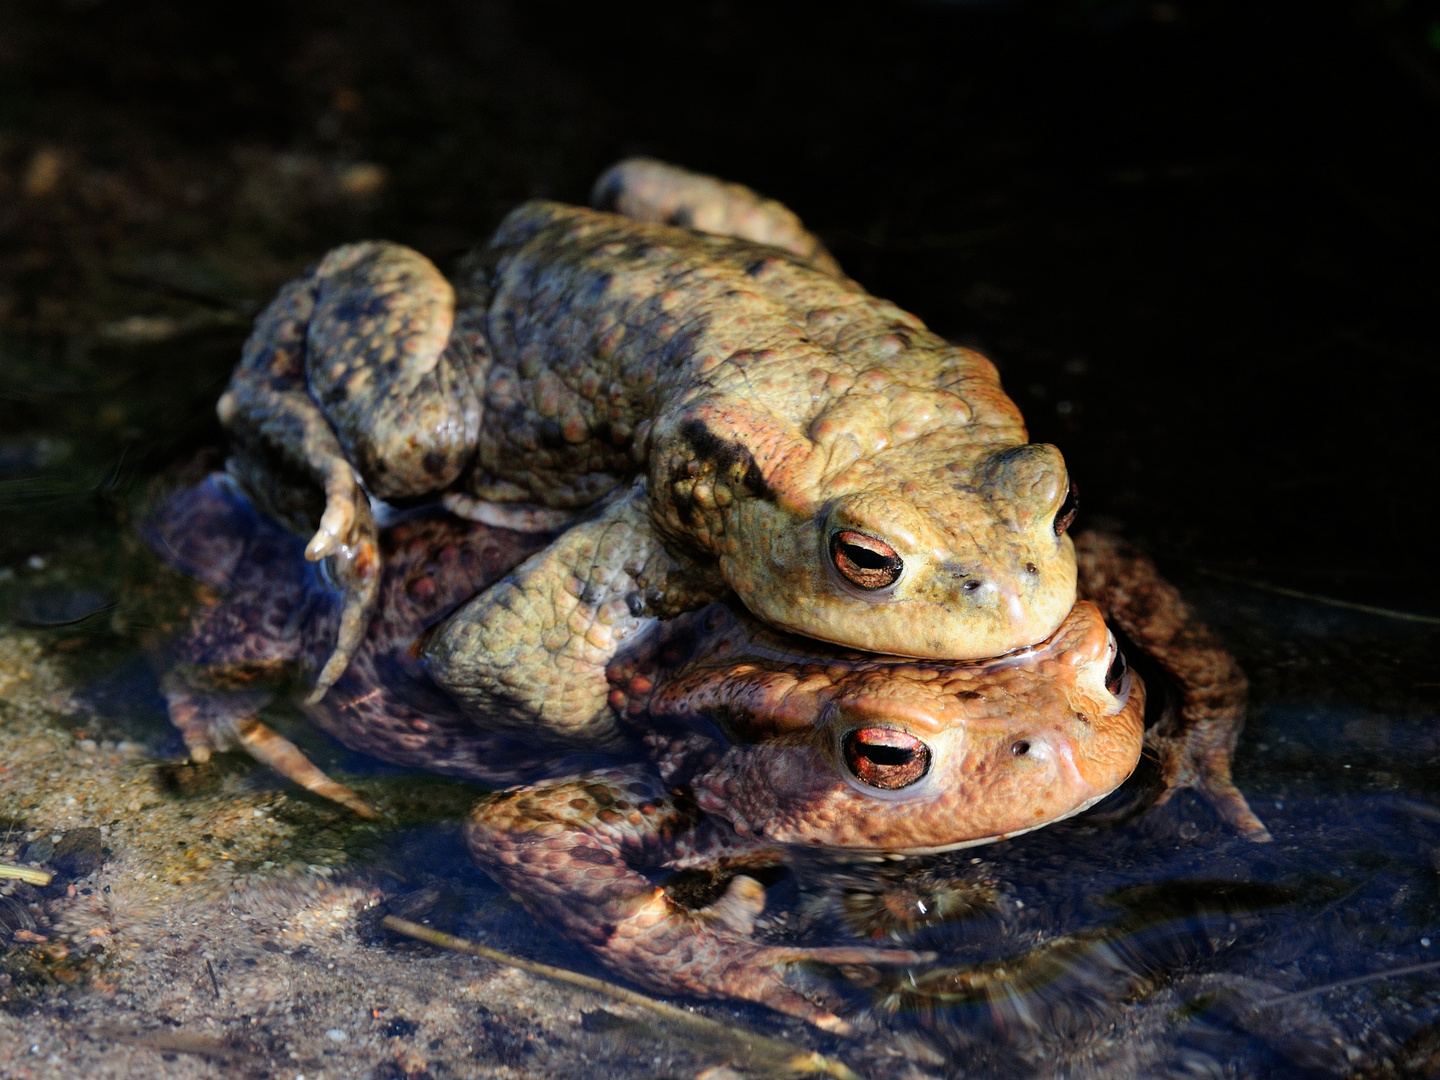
<point>816,451</point>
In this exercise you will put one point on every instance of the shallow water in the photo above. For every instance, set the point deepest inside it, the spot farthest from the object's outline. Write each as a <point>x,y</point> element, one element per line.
<point>1197,246</point>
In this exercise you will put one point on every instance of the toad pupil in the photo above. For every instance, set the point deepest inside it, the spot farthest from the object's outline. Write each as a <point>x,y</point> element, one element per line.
<point>1115,677</point>
<point>865,561</point>
<point>886,758</point>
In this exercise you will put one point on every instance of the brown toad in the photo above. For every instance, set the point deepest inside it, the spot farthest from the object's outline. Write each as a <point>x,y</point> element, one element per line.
<point>811,449</point>
<point>757,741</point>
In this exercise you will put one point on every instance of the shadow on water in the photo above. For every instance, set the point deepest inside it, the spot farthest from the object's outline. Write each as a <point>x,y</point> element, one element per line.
<point>1198,240</point>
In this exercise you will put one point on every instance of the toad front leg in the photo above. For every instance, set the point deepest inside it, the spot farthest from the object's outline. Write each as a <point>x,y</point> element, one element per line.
<point>1194,742</point>
<point>572,852</point>
<point>529,655</point>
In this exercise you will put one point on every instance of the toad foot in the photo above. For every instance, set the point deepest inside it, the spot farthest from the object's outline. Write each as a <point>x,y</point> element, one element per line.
<point>1194,742</point>
<point>572,850</point>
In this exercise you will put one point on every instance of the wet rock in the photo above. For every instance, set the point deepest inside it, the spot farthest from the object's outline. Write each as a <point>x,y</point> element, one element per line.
<point>507,1040</point>
<point>79,853</point>
<point>39,850</point>
<point>399,1028</point>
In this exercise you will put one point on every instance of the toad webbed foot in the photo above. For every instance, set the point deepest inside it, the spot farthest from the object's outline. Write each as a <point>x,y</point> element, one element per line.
<point>1194,741</point>
<point>572,851</point>
<point>236,651</point>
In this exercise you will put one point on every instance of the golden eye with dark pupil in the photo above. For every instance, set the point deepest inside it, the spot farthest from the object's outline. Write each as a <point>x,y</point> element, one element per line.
<point>886,758</point>
<point>865,561</point>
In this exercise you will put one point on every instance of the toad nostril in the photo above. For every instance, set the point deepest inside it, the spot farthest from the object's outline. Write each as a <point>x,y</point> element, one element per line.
<point>971,585</point>
<point>1030,567</point>
<point>1020,749</point>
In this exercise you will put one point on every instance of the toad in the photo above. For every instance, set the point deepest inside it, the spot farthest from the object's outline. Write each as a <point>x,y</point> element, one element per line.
<point>808,449</point>
<point>743,743</point>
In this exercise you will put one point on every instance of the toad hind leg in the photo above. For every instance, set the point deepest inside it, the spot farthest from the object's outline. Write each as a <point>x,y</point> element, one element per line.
<point>210,719</point>
<point>1195,745</point>
<point>269,747</point>
<point>351,370</point>
<point>648,190</point>
<point>571,851</point>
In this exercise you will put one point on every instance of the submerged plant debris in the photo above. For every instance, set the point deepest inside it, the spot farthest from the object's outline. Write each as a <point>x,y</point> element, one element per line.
<point>1192,236</point>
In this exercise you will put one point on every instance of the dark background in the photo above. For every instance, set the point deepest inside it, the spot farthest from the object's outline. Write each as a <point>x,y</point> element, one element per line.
<point>1199,239</point>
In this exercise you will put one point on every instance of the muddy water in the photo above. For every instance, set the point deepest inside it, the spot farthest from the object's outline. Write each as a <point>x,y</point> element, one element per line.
<point>1196,243</point>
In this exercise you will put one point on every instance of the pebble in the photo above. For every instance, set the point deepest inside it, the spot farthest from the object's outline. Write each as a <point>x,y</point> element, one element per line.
<point>336,1035</point>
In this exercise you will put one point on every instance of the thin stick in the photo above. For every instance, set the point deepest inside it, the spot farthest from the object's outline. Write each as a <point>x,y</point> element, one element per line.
<point>181,1042</point>
<point>795,1058</point>
<point>1413,969</point>
<point>25,874</point>
<point>1315,598</point>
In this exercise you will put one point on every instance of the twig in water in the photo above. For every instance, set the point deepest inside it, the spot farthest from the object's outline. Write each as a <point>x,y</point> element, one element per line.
<point>171,1042</point>
<point>1393,973</point>
<point>761,1050</point>
<point>26,874</point>
<point>1316,598</point>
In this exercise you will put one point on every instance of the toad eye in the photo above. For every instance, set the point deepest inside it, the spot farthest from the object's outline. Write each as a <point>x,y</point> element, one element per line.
<point>863,560</point>
<point>1115,677</point>
<point>886,758</point>
<point>1065,516</point>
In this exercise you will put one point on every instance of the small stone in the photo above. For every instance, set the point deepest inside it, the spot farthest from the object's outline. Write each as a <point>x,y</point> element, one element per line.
<point>78,852</point>
<point>39,851</point>
<point>336,1035</point>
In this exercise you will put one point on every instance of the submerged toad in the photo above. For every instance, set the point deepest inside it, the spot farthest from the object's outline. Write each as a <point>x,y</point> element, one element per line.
<point>806,447</point>
<point>741,741</point>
